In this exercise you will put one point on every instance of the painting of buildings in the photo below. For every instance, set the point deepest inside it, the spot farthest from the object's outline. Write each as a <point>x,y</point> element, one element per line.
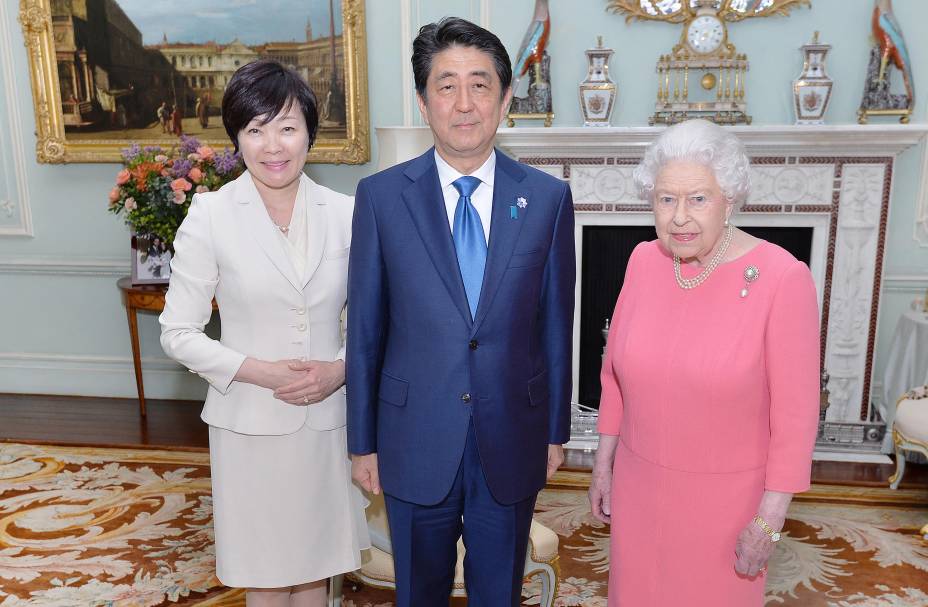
<point>115,84</point>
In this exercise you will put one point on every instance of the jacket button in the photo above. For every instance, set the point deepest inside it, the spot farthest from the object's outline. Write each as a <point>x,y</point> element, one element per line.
<point>466,397</point>
<point>301,311</point>
<point>473,344</point>
<point>301,327</point>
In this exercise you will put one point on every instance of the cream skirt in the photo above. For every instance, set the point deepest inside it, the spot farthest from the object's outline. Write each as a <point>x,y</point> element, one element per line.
<point>285,511</point>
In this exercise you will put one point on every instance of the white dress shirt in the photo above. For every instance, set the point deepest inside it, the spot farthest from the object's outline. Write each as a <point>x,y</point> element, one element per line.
<point>482,198</point>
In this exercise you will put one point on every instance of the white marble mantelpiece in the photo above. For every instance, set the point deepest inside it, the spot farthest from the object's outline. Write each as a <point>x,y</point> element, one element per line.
<point>836,180</point>
<point>398,144</point>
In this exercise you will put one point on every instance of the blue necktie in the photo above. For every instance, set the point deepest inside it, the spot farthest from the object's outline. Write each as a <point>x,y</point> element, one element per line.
<point>469,241</point>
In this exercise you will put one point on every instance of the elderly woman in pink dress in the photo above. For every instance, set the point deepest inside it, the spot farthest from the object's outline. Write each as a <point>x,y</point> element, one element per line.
<point>710,388</point>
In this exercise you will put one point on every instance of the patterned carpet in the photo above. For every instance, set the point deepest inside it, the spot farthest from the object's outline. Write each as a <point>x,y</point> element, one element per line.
<point>84,527</point>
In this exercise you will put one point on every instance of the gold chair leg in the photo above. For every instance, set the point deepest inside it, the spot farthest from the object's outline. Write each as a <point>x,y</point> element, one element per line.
<point>896,478</point>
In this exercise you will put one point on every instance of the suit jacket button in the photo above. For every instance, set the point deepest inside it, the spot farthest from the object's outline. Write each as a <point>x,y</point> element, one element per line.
<point>466,397</point>
<point>473,344</point>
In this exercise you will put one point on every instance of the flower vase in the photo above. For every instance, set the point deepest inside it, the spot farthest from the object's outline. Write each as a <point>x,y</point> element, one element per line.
<point>597,91</point>
<point>812,89</point>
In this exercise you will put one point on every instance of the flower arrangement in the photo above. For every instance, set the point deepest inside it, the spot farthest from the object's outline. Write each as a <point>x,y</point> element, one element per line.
<point>155,186</point>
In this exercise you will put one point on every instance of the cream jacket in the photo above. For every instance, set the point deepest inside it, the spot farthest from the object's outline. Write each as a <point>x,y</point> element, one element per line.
<point>228,248</point>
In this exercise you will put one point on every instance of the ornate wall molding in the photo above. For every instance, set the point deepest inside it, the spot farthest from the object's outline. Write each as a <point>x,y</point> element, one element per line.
<point>921,212</point>
<point>15,213</point>
<point>111,376</point>
<point>905,283</point>
<point>66,266</point>
<point>406,47</point>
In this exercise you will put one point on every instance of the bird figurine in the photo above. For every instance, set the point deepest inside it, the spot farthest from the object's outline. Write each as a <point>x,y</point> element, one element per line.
<point>888,36</point>
<point>533,45</point>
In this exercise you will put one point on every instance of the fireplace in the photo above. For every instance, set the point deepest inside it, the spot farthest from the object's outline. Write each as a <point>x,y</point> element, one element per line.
<point>822,192</point>
<point>605,253</point>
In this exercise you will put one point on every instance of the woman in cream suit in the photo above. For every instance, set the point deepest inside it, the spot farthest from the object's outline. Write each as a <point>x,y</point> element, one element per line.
<point>272,248</point>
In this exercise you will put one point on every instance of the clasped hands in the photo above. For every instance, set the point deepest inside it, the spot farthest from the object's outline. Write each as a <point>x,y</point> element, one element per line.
<point>300,382</point>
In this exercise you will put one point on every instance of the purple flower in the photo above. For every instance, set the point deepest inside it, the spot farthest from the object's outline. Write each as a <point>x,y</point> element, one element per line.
<point>181,167</point>
<point>131,153</point>
<point>188,145</point>
<point>226,161</point>
<point>152,149</point>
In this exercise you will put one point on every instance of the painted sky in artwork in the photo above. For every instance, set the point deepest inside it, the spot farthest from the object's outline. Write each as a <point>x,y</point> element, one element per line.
<point>251,21</point>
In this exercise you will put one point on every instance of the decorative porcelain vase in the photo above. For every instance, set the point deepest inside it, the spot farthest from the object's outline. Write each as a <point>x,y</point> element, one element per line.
<point>812,90</point>
<point>597,91</point>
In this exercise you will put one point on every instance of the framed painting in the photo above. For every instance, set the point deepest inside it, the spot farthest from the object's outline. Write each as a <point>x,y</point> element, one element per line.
<point>107,73</point>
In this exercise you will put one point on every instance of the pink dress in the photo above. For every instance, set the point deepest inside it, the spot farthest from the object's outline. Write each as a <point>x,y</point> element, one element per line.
<point>715,399</point>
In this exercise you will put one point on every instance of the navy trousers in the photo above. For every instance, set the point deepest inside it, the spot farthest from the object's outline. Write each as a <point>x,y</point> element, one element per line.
<point>425,539</point>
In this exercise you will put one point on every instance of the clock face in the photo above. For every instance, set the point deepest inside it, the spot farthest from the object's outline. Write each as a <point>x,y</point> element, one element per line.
<point>705,33</point>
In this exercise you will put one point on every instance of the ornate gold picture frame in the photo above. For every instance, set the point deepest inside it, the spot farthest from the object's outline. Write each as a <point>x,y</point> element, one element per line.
<point>97,87</point>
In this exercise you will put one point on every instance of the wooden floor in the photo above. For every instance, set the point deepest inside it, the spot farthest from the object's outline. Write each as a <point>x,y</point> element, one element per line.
<point>177,424</point>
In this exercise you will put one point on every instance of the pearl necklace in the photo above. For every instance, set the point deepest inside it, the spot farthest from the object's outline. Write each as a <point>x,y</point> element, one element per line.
<point>692,283</point>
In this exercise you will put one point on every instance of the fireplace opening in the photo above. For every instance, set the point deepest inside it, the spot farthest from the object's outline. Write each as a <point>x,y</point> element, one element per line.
<point>605,251</point>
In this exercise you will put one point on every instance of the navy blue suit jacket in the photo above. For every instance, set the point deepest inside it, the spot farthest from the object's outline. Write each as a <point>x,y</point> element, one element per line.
<point>418,367</point>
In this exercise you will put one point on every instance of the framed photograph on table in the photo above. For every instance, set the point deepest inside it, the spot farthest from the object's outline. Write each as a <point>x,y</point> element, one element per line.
<point>107,73</point>
<point>151,260</point>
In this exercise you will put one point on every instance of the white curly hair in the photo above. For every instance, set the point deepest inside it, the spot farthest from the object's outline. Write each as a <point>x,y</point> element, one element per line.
<point>703,142</point>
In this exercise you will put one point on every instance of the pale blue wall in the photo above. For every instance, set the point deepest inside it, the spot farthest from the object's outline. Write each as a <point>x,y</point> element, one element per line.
<point>63,333</point>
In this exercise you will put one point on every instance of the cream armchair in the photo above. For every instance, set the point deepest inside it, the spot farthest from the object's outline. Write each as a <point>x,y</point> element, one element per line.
<point>910,429</point>
<point>377,568</point>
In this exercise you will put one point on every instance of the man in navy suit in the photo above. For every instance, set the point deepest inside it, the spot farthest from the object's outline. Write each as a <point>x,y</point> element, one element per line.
<point>460,312</point>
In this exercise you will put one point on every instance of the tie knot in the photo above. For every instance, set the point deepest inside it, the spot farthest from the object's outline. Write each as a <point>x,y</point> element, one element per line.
<point>466,185</point>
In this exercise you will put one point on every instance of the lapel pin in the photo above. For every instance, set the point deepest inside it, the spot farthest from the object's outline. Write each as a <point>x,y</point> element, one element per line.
<point>521,202</point>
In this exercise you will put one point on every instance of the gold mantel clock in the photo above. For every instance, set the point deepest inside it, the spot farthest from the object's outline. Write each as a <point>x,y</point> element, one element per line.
<point>703,75</point>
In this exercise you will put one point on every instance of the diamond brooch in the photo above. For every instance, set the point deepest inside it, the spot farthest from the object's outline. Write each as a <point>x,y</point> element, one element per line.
<point>751,273</point>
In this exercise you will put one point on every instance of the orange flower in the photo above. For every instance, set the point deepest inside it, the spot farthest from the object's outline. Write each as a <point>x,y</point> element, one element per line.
<point>206,152</point>
<point>143,171</point>
<point>195,175</point>
<point>115,193</point>
<point>181,185</point>
<point>122,177</point>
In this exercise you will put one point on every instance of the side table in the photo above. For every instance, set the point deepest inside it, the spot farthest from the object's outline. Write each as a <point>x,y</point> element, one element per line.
<point>135,298</point>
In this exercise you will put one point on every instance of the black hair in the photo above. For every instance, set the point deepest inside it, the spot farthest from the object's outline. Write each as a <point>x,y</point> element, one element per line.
<point>265,88</point>
<point>454,31</point>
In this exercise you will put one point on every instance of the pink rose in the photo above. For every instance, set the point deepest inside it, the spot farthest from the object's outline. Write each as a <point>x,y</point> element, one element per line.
<point>123,176</point>
<point>194,157</point>
<point>179,197</point>
<point>161,158</point>
<point>195,175</point>
<point>181,185</point>
<point>201,188</point>
<point>115,194</point>
<point>206,152</point>
<point>131,204</point>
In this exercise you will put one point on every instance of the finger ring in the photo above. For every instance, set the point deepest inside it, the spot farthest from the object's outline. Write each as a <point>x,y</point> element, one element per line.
<point>306,399</point>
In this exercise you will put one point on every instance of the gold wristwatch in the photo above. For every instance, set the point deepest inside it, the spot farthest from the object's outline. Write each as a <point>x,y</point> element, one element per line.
<point>774,535</point>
